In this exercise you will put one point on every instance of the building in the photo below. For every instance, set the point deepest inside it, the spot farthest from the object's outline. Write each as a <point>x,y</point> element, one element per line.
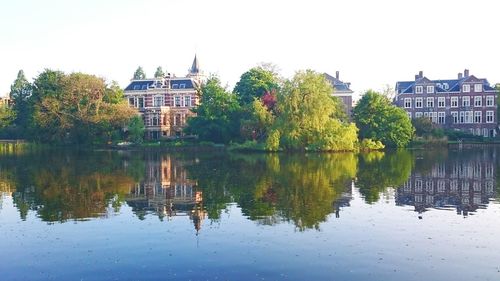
<point>165,103</point>
<point>341,90</point>
<point>466,103</point>
<point>5,101</point>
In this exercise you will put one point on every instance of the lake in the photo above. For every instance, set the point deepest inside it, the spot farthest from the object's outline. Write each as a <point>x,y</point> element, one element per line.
<point>153,215</point>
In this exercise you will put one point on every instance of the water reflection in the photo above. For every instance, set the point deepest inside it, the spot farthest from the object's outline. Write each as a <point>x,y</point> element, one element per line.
<point>304,190</point>
<point>462,180</point>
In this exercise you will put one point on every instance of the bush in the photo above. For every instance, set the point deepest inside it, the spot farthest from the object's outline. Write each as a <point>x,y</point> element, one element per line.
<point>369,144</point>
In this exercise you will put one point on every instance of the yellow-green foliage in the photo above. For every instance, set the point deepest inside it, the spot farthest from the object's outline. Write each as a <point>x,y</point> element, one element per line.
<point>369,144</point>
<point>273,140</point>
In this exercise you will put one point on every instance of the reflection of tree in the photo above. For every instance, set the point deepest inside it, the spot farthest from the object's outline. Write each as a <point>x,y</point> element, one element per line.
<point>298,188</point>
<point>75,185</point>
<point>377,171</point>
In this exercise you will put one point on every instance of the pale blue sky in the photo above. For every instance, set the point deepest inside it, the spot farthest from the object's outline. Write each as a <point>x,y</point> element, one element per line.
<point>371,43</point>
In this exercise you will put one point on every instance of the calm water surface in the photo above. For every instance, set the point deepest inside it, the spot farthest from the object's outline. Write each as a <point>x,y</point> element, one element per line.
<point>108,215</point>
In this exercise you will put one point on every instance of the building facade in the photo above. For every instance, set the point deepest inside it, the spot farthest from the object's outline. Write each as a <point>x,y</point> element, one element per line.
<point>165,103</point>
<point>467,103</point>
<point>342,90</point>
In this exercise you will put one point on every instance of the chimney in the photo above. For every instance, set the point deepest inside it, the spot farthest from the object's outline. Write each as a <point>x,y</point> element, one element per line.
<point>337,75</point>
<point>466,73</point>
<point>416,77</point>
<point>460,75</point>
<point>420,74</point>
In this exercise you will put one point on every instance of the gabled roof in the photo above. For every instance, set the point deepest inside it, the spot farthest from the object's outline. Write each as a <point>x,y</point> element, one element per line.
<point>442,86</point>
<point>175,83</point>
<point>139,85</point>
<point>195,68</point>
<point>338,86</point>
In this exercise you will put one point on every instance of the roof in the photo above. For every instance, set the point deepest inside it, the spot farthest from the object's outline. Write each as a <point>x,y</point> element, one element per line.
<point>175,83</point>
<point>195,68</point>
<point>338,86</point>
<point>442,86</point>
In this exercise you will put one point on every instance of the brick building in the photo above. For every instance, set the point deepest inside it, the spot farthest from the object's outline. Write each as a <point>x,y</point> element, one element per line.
<point>342,90</point>
<point>165,103</point>
<point>466,103</point>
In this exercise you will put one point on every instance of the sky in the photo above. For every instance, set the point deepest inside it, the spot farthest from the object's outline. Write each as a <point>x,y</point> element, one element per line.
<point>371,43</point>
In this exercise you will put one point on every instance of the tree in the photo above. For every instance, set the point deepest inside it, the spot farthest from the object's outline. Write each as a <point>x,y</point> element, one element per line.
<point>254,84</point>
<point>378,119</point>
<point>306,116</point>
<point>77,108</point>
<point>139,73</point>
<point>218,116</point>
<point>20,93</point>
<point>7,116</point>
<point>136,129</point>
<point>159,72</point>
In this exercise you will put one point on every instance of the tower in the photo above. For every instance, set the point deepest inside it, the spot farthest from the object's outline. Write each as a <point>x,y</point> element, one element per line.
<point>195,71</point>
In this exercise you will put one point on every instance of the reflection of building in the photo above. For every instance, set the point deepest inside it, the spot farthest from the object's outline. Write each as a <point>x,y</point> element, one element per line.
<point>166,191</point>
<point>165,103</point>
<point>466,185</point>
<point>345,198</point>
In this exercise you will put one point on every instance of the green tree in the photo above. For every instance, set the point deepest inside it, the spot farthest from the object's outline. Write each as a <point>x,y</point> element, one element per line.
<point>255,83</point>
<point>77,108</point>
<point>139,73</point>
<point>7,116</point>
<point>218,116</point>
<point>136,129</point>
<point>159,72</point>
<point>20,93</point>
<point>378,119</point>
<point>306,116</point>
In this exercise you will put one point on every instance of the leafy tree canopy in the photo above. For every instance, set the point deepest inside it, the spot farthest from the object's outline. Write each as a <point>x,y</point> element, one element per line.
<point>159,72</point>
<point>255,83</point>
<point>139,73</point>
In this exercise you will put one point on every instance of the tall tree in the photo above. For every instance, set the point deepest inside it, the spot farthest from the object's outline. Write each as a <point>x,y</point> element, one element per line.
<point>217,117</point>
<point>378,119</point>
<point>139,73</point>
<point>159,72</point>
<point>20,93</point>
<point>255,83</point>
<point>306,116</point>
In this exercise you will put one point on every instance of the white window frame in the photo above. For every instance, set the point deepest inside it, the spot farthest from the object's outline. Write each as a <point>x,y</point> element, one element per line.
<point>407,103</point>
<point>441,118</point>
<point>466,101</point>
<point>419,89</point>
<point>441,102</point>
<point>478,88</point>
<point>418,114</point>
<point>461,120</point>
<point>478,117</point>
<point>187,101</point>
<point>490,116</point>
<point>430,89</point>
<point>469,117</point>
<point>434,117</point>
<point>177,101</point>
<point>478,101</point>
<point>429,101</point>
<point>419,102</point>
<point>454,116</point>
<point>141,100</point>
<point>158,101</point>
<point>466,88</point>
<point>454,102</point>
<point>490,100</point>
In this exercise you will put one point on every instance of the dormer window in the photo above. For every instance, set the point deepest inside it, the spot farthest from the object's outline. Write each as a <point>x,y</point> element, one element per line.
<point>144,87</point>
<point>175,86</point>
<point>419,89</point>
<point>137,87</point>
<point>466,88</point>
<point>182,86</point>
<point>478,88</point>
<point>446,86</point>
<point>430,89</point>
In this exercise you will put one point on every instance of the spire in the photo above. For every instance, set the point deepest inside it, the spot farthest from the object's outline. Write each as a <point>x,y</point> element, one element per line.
<point>195,68</point>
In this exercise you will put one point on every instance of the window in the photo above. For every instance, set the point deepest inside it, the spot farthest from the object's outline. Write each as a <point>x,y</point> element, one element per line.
<point>418,102</point>
<point>454,117</point>
<point>177,120</point>
<point>466,88</point>
<point>144,87</point>
<point>477,117</point>
<point>441,118</point>
<point>175,86</point>
<point>430,102</point>
<point>140,102</point>
<point>407,102</point>
<point>485,134</point>
<point>468,117</point>
<point>433,116</point>
<point>462,117</point>
<point>182,86</point>
<point>409,114</point>
<point>131,101</point>
<point>187,101</point>
<point>478,101</point>
<point>418,114</point>
<point>454,101</point>
<point>430,89</point>
<point>490,100</point>
<point>177,101</point>
<point>466,101</point>
<point>158,101</point>
<point>489,116</point>
<point>441,102</point>
<point>137,87</point>
<point>419,89</point>
<point>478,88</point>
<point>155,120</point>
